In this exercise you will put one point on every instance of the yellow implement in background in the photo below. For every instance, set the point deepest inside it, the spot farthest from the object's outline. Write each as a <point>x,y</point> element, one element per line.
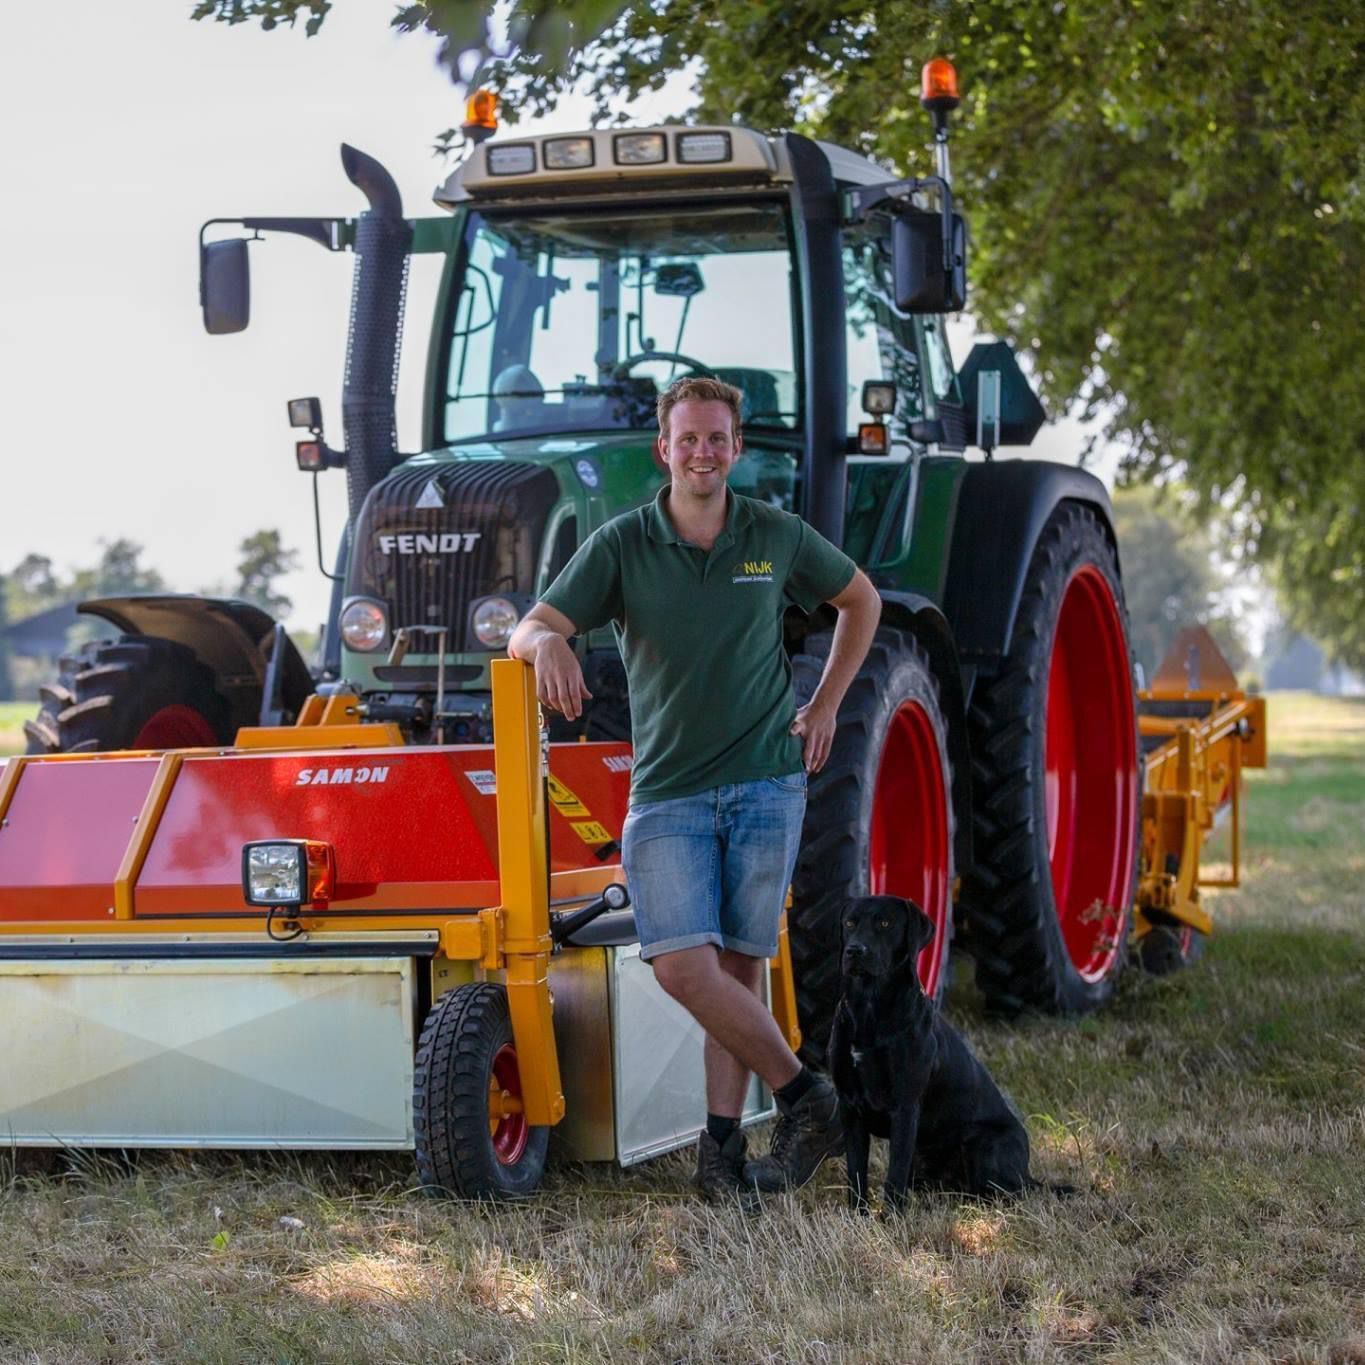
<point>1199,730</point>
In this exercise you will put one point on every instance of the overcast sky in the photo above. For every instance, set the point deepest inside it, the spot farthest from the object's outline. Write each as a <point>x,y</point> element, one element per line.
<point>127,126</point>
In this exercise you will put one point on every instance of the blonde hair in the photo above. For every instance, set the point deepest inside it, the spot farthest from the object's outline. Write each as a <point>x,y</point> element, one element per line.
<point>696,388</point>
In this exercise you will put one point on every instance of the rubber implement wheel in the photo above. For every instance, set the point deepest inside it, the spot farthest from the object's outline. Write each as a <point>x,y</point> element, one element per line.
<point>1168,948</point>
<point>139,692</point>
<point>1055,784</point>
<point>879,819</point>
<point>473,1140</point>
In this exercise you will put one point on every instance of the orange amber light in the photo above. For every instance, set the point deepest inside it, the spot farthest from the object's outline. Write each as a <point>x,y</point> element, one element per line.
<point>938,83</point>
<point>481,111</point>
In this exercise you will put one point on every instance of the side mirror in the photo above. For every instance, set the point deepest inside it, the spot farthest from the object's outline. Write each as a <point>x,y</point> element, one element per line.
<point>929,262</point>
<point>225,286</point>
<point>679,280</point>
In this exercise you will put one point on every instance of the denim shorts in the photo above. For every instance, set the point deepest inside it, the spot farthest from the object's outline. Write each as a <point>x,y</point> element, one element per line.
<point>714,867</point>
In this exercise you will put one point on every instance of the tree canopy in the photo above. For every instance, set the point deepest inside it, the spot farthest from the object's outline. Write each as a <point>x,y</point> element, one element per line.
<point>1166,201</point>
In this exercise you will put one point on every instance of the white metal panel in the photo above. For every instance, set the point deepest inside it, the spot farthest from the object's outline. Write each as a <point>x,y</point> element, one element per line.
<point>659,1074</point>
<point>304,1052</point>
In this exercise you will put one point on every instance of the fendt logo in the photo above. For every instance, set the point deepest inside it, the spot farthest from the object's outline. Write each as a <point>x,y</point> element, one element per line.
<point>334,777</point>
<point>447,543</point>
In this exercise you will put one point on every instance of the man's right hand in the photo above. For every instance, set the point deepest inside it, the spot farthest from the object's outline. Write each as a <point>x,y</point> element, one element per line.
<point>542,639</point>
<point>559,677</point>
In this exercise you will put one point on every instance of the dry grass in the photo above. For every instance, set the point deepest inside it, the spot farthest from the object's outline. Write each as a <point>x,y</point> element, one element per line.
<point>1214,1122</point>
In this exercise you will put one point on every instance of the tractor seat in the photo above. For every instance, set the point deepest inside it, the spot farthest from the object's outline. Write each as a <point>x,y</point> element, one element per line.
<point>614,929</point>
<point>759,388</point>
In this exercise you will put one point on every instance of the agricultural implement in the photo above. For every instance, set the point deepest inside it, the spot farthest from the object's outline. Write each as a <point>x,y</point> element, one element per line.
<point>445,962</point>
<point>987,761</point>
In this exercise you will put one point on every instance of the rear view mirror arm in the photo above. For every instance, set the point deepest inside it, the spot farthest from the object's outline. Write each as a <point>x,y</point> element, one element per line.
<point>895,194</point>
<point>332,233</point>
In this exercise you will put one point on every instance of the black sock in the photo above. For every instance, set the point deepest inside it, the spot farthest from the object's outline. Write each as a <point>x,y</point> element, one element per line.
<point>720,1126</point>
<point>795,1089</point>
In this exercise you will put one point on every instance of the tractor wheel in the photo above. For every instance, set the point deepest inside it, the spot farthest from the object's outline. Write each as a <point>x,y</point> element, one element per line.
<point>879,819</point>
<point>139,692</point>
<point>473,1140</point>
<point>1055,784</point>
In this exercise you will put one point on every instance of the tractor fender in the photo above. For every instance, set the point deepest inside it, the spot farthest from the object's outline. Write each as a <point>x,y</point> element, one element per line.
<point>921,617</point>
<point>231,638</point>
<point>1002,506</point>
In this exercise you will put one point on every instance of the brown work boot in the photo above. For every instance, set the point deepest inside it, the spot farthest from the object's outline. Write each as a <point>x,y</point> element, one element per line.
<point>720,1172</point>
<point>807,1132</point>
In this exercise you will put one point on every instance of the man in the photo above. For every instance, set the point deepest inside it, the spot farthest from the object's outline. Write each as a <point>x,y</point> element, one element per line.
<point>695,584</point>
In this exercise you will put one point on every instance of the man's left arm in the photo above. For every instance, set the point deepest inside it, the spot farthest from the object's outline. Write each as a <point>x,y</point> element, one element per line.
<point>860,611</point>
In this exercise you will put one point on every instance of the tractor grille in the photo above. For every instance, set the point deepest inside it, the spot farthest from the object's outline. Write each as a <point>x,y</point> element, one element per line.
<point>477,533</point>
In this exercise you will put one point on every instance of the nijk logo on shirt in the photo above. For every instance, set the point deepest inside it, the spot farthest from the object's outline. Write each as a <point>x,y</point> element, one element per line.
<point>753,571</point>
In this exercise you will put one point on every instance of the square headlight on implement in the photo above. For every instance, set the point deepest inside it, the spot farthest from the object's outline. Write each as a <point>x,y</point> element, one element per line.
<point>288,872</point>
<point>514,158</point>
<point>567,153</point>
<point>364,624</point>
<point>696,149</point>
<point>639,149</point>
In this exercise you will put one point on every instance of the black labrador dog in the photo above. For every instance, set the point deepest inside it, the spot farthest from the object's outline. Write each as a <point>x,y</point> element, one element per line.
<point>904,1073</point>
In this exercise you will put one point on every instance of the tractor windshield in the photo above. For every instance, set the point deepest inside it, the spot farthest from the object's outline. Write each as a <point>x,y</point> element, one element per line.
<point>575,322</point>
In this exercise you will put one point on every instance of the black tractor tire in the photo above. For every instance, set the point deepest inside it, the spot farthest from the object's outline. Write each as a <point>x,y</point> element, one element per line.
<point>1011,910</point>
<point>834,863</point>
<point>138,692</point>
<point>466,1038</point>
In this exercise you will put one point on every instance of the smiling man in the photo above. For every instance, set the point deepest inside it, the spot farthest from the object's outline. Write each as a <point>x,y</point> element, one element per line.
<point>695,585</point>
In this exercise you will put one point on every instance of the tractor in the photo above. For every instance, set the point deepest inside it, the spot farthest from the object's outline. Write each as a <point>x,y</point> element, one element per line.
<point>987,758</point>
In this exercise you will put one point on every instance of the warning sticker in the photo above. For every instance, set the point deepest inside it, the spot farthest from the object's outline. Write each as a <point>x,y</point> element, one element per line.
<point>484,780</point>
<point>564,801</point>
<point>591,832</point>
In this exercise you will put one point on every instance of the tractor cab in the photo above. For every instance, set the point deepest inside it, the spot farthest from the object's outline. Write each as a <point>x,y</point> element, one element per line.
<point>584,273</point>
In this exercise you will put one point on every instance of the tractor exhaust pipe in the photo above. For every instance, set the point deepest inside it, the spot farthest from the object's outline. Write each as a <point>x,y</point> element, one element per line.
<point>383,239</point>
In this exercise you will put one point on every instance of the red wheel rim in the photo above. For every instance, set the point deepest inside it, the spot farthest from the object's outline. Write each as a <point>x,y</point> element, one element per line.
<point>508,1132</point>
<point>175,727</point>
<point>1090,773</point>
<point>910,851</point>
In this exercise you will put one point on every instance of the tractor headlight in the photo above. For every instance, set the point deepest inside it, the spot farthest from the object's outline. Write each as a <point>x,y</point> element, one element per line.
<point>494,621</point>
<point>364,624</point>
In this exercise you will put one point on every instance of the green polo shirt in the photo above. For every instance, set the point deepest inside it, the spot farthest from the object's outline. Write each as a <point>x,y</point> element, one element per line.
<point>700,632</point>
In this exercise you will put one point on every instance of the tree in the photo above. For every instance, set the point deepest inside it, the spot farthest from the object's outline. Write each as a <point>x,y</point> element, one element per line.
<point>263,560</point>
<point>1169,577</point>
<point>1166,203</point>
<point>119,571</point>
<point>31,587</point>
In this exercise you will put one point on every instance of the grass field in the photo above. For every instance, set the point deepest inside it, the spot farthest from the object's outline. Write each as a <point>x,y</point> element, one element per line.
<point>1214,1122</point>
<point>13,714</point>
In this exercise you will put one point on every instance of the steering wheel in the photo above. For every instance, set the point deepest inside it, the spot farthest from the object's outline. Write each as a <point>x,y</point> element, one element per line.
<point>624,367</point>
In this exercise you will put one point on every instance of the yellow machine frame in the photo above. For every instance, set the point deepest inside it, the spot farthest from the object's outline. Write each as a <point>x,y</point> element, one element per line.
<point>1193,777</point>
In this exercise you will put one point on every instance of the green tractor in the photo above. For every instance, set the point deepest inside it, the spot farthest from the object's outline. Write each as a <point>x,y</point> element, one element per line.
<point>986,762</point>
